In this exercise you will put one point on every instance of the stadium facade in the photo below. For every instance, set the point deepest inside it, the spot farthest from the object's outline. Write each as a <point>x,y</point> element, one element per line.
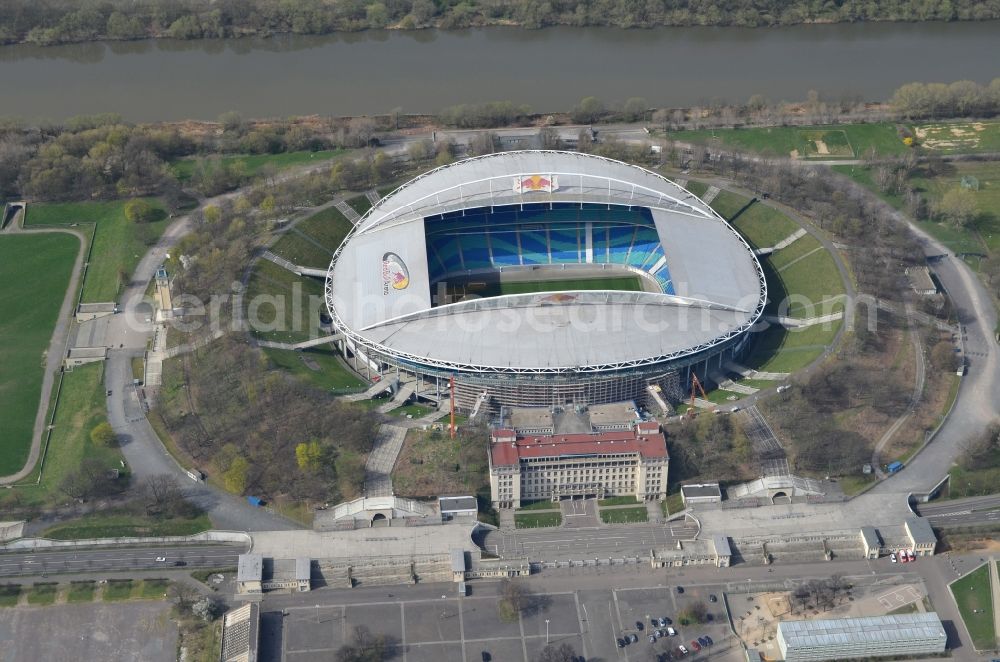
<point>543,278</point>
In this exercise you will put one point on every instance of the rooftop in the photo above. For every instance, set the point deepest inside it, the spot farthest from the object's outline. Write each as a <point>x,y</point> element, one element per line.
<point>250,568</point>
<point>870,536</point>
<point>920,531</point>
<point>718,285</point>
<point>451,504</point>
<point>702,490</point>
<point>874,630</point>
<point>648,444</point>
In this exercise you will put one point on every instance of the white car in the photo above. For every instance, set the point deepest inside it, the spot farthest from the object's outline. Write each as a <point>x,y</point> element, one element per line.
<point>682,649</point>
<point>892,557</point>
<point>671,632</point>
<point>161,559</point>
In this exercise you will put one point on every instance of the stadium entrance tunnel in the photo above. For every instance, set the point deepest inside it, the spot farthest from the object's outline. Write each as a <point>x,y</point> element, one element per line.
<point>379,520</point>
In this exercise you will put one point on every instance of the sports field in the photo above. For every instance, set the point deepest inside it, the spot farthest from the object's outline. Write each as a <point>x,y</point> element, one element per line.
<point>807,142</point>
<point>118,243</point>
<point>493,288</point>
<point>35,271</point>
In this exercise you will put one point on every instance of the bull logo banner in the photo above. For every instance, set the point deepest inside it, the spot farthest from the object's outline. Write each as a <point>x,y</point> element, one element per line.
<point>395,275</point>
<point>532,183</point>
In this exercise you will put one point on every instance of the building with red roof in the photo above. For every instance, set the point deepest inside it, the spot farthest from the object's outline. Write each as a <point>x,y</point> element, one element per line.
<point>632,461</point>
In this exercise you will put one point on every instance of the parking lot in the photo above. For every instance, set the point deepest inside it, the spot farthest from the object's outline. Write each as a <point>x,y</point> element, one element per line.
<point>449,628</point>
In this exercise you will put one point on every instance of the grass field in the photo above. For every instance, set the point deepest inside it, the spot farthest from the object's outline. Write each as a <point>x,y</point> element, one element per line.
<point>959,137</point>
<point>44,263</point>
<point>781,350</point>
<point>294,314</point>
<point>118,243</point>
<point>115,525</point>
<point>538,505</point>
<point>535,520</point>
<point>153,589</point>
<point>761,225</point>
<point>360,204</point>
<point>81,407</point>
<point>41,594</point>
<point>81,591</point>
<point>617,501</point>
<point>972,594</point>
<point>624,515</point>
<point>118,589</point>
<point>696,187</point>
<point>183,169</point>
<point>840,141</point>
<point>9,594</point>
<point>412,409</point>
<point>330,374</point>
<point>327,227</point>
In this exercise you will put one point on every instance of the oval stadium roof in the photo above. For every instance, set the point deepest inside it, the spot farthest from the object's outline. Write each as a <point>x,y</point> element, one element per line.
<point>378,287</point>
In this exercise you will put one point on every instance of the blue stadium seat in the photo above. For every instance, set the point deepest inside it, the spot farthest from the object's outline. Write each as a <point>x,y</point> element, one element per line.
<point>475,252</point>
<point>505,250</point>
<point>534,247</point>
<point>600,233</point>
<point>565,244</point>
<point>619,241</point>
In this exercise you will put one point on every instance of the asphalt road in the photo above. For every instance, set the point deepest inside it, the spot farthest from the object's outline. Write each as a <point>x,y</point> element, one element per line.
<point>13,564</point>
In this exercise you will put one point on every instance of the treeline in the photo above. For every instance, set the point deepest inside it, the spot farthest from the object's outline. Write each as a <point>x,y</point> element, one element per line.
<point>963,98</point>
<point>102,156</point>
<point>64,21</point>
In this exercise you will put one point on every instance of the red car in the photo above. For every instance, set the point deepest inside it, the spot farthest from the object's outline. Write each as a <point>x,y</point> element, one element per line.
<point>695,646</point>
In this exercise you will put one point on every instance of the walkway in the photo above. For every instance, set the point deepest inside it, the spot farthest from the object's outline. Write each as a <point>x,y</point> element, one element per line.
<point>381,460</point>
<point>305,344</point>
<point>347,211</point>
<point>57,345</point>
<point>296,269</point>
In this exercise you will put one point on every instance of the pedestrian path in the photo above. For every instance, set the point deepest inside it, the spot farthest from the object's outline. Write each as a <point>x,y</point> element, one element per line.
<point>373,196</point>
<point>381,460</point>
<point>347,211</point>
<point>710,194</point>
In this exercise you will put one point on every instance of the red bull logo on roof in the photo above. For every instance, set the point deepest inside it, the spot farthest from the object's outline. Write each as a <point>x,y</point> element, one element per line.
<point>531,183</point>
<point>395,275</point>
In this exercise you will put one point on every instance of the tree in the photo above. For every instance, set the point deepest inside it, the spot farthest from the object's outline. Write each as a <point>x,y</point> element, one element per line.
<point>364,647</point>
<point>212,213</point>
<point>236,476</point>
<point>102,434</point>
<point>161,495</point>
<point>957,206</point>
<point>309,456</point>
<point>943,356</point>
<point>553,653</point>
<point>138,210</point>
<point>513,597</point>
<point>694,612</point>
<point>589,110</point>
<point>635,109</point>
<point>207,609</point>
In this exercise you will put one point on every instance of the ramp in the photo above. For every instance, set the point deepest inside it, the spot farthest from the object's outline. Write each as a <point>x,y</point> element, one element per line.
<point>402,395</point>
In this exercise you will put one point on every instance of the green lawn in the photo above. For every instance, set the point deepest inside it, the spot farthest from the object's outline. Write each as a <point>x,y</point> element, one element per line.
<point>696,187</point>
<point>153,589</point>
<point>360,204</point>
<point>534,520</point>
<point>539,505</point>
<point>82,404</point>
<point>42,594</point>
<point>853,484</point>
<point>623,283</point>
<point>674,503</point>
<point>118,589</point>
<point>35,271</point>
<point>301,250</point>
<point>972,594</point>
<point>183,169</point>
<point>842,141</point>
<point>331,374</point>
<point>617,501</point>
<point>624,515</point>
<point>289,309</point>
<point>327,227</point>
<point>81,591</point>
<point>117,525</point>
<point>812,285</point>
<point>797,249</point>
<point>412,409</point>
<point>118,243</point>
<point>781,350</point>
<point>979,482</point>
<point>762,226</point>
<point>9,594</point>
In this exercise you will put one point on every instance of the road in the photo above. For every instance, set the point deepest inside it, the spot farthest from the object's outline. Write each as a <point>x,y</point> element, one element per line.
<point>14,564</point>
<point>970,511</point>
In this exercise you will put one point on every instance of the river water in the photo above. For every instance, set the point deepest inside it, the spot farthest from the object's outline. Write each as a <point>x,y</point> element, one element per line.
<point>374,72</point>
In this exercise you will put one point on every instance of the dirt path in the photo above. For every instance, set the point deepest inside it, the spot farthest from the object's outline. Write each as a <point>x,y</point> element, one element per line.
<point>57,345</point>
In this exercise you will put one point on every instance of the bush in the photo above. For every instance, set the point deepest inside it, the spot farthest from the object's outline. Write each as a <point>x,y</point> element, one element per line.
<point>138,210</point>
<point>102,434</point>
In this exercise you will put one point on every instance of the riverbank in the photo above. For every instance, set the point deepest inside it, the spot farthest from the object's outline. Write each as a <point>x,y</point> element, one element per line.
<point>119,20</point>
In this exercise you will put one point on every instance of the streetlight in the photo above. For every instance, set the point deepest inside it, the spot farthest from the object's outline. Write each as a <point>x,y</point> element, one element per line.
<point>546,632</point>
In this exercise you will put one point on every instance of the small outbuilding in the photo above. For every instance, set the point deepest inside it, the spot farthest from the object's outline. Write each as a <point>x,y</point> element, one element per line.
<point>701,493</point>
<point>921,535</point>
<point>250,574</point>
<point>458,506</point>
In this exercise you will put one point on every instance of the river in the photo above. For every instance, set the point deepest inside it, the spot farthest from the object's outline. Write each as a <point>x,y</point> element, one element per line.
<point>376,71</point>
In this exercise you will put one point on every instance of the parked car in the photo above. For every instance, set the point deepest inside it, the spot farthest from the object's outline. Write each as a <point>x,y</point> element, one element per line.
<point>671,632</point>
<point>709,640</point>
<point>680,589</point>
<point>652,639</point>
<point>695,646</point>
<point>703,641</point>
<point>634,638</point>
<point>638,626</point>
<point>892,557</point>
<point>621,643</point>
<point>682,650</point>
<point>712,598</point>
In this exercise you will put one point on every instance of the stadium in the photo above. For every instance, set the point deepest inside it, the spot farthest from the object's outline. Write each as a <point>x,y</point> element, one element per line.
<point>541,278</point>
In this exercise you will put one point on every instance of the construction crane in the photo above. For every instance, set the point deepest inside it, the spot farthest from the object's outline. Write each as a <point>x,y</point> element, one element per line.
<point>695,384</point>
